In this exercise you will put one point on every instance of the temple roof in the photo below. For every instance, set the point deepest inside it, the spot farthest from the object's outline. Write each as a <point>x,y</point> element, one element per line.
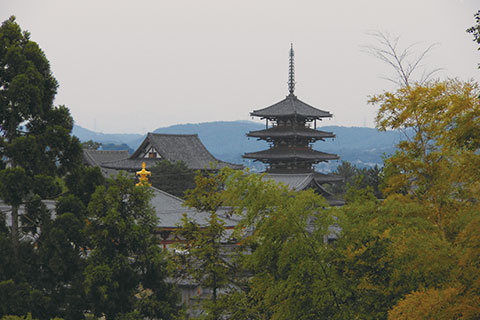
<point>97,157</point>
<point>291,153</point>
<point>291,106</point>
<point>303,181</point>
<point>173,147</point>
<point>170,209</point>
<point>292,131</point>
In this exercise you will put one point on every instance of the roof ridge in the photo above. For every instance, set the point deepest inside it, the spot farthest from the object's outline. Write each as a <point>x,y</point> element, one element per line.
<point>168,194</point>
<point>105,151</point>
<point>173,134</point>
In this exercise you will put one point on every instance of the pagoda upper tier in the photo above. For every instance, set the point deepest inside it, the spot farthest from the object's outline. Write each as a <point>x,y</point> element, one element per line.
<point>291,107</point>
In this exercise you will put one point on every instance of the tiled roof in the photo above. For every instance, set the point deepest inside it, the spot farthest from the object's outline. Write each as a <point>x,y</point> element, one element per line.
<point>289,107</point>
<point>299,181</point>
<point>285,132</point>
<point>286,153</point>
<point>303,181</point>
<point>170,210</point>
<point>173,147</point>
<point>97,157</point>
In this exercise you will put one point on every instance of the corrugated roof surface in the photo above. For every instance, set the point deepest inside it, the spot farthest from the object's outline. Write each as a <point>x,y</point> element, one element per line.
<point>302,181</point>
<point>298,181</point>
<point>291,106</point>
<point>294,181</point>
<point>286,153</point>
<point>283,132</point>
<point>173,147</point>
<point>97,157</point>
<point>170,210</point>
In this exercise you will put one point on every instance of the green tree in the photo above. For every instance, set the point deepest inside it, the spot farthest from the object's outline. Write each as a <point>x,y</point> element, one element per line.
<point>347,172</point>
<point>287,260</point>
<point>204,255</point>
<point>280,260</point>
<point>62,246</point>
<point>126,269</point>
<point>175,178</point>
<point>359,178</point>
<point>36,150</point>
<point>90,144</point>
<point>35,140</point>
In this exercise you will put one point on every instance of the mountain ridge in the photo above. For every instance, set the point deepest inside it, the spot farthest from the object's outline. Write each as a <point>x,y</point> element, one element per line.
<point>227,141</point>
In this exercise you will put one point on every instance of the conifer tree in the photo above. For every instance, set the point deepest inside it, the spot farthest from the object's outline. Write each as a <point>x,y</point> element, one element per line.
<point>35,140</point>
<point>125,270</point>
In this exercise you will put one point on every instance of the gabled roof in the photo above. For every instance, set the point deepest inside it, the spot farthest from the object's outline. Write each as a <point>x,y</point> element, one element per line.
<point>170,209</point>
<point>173,147</point>
<point>291,153</point>
<point>291,132</point>
<point>291,106</point>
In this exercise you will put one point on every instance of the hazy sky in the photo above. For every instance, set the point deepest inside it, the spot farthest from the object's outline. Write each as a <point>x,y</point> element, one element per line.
<point>134,66</point>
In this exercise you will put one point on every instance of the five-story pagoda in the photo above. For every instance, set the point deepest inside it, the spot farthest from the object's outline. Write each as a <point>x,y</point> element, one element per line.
<point>291,130</point>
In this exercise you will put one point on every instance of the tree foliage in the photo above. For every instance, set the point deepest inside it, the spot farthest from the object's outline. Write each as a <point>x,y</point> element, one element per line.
<point>359,178</point>
<point>35,140</point>
<point>173,177</point>
<point>432,201</point>
<point>475,30</point>
<point>125,271</point>
<point>203,256</point>
<point>97,253</point>
<point>90,144</point>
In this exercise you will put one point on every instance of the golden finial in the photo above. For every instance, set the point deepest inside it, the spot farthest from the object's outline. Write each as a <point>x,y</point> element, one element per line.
<point>143,179</point>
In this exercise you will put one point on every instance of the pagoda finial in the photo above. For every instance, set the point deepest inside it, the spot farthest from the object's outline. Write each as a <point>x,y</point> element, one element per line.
<point>143,179</point>
<point>291,71</point>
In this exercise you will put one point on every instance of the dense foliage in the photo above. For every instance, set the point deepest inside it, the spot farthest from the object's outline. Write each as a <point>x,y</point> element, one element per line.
<point>35,141</point>
<point>97,254</point>
<point>173,177</point>
<point>360,178</point>
<point>125,270</point>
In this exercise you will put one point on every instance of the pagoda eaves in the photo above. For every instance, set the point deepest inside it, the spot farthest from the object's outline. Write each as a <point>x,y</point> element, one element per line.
<point>289,107</point>
<point>291,132</point>
<point>291,153</point>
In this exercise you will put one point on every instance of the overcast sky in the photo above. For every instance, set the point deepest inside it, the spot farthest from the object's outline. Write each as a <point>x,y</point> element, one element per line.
<point>134,66</point>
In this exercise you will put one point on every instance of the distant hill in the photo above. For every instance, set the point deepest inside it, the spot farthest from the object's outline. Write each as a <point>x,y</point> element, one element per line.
<point>227,141</point>
<point>130,139</point>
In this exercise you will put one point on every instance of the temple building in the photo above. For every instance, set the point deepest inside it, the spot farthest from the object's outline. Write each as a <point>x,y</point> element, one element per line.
<point>291,130</point>
<point>156,147</point>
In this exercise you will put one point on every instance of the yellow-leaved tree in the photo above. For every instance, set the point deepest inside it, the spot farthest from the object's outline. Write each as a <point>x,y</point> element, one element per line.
<point>436,170</point>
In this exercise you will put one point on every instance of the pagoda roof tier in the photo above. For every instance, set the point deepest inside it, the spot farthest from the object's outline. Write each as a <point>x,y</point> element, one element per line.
<point>291,106</point>
<point>291,153</point>
<point>291,132</point>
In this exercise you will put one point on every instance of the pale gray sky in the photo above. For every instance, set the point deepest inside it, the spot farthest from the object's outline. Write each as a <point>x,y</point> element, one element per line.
<point>134,66</point>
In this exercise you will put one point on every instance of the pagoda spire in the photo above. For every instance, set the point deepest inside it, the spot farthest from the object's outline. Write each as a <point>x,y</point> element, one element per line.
<point>291,71</point>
